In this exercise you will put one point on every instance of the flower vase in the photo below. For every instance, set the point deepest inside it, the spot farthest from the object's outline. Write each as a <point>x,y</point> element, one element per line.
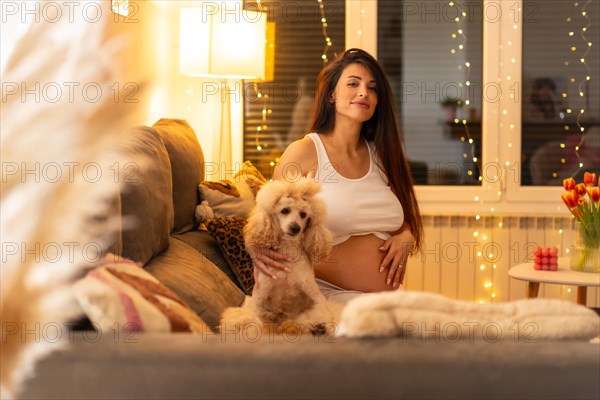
<point>584,258</point>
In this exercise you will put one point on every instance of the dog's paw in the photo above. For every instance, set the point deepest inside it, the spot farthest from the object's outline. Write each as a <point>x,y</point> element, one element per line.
<point>318,329</point>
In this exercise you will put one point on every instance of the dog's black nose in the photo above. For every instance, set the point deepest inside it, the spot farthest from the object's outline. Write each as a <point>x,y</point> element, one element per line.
<point>294,229</point>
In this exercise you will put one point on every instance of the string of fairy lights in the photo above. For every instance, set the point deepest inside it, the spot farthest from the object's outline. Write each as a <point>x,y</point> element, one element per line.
<point>328,42</point>
<point>583,83</point>
<point>485,261</point>
<point>459,48</point>
<point>262,127</point>
<point>582,86</point>
<point>580,49</point>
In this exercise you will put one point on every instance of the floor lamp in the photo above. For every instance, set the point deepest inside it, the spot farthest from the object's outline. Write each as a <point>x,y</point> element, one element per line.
<point>227,43</point>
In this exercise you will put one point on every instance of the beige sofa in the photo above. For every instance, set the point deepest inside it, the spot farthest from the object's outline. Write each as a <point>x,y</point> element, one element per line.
<point>158,205</point>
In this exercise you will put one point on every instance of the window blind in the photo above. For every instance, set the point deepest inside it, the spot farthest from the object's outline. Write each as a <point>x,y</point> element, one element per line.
<point>299,44</point>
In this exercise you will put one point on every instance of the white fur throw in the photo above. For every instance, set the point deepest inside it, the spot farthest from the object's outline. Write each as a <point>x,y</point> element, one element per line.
<point>432,316</point>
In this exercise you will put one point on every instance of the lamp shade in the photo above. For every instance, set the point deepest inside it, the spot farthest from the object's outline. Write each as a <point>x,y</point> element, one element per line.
<point>222,42</point>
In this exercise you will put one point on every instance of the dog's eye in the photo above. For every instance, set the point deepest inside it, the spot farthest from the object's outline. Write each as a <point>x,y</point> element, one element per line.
<point>302,214</point>
<point>285,211</point>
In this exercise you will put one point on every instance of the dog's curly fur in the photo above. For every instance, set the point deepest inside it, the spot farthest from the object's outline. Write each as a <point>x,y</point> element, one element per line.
<point>291,220</point>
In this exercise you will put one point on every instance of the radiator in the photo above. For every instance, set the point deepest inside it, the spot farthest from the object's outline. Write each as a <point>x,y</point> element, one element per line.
<point>468,257</point>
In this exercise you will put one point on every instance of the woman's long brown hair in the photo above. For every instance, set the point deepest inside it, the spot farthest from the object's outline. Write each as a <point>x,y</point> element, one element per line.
<point>382,129</point>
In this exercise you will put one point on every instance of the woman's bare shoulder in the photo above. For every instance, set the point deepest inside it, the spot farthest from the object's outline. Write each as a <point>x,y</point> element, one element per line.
<point>299,157</point>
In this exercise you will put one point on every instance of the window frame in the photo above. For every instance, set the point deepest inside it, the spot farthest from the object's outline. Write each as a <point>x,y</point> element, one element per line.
<point>500,152</point>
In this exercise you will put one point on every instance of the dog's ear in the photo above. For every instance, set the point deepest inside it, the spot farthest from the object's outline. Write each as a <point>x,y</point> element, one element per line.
<point>308,224</point>
<point>262,229</point>
<point>318,239</point>
<point>317,242</point>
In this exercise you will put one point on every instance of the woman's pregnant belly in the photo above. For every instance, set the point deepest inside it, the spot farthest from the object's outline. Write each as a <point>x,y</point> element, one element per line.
<point>354,265</point>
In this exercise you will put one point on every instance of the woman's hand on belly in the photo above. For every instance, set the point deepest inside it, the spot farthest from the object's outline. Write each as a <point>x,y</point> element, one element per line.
<point>354,264</point>
<point>396,249</point>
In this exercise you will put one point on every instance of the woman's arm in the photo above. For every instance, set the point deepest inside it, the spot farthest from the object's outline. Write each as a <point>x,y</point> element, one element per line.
<point>299,159</point>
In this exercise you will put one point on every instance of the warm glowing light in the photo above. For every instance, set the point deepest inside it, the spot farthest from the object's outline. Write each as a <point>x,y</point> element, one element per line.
<point>236,47</point>
<point>120,7</point>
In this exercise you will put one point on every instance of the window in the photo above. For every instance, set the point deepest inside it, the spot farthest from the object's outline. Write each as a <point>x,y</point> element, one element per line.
<point>512,47</point>
<point>287,100</point>
<point>561,106</point>
<point>432,54</point>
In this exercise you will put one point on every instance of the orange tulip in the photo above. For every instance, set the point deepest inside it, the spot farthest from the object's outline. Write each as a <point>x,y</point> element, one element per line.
<point>594,193</point>
<point>580,187</point>
<point>589,178</point>
<point>577,212</point>
<point>570,198</point>
<point>569,184</point>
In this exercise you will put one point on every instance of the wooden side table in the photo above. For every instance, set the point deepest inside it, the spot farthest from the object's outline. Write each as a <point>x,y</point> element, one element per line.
<point>564,276</point>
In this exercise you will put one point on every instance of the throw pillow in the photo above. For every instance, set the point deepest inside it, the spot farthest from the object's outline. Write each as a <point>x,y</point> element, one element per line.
<point>231,197</point>
<point>229,234</point>
<point>120,292</point>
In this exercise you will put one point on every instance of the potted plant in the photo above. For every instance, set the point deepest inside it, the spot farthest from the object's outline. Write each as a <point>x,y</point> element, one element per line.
<point>583,200</point>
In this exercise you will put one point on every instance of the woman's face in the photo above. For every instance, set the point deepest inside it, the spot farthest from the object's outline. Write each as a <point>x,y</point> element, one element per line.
<point>355,96</point>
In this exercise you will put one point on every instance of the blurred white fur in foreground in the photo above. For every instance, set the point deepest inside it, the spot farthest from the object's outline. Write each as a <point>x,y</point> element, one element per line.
<point>58,175</point>
<point>426,315</point>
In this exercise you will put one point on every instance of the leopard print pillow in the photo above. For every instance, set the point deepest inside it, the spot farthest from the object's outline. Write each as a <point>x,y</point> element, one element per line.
<point>228,233</point>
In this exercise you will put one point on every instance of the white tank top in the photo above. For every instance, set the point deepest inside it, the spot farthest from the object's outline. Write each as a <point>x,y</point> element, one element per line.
<point>359,206</point>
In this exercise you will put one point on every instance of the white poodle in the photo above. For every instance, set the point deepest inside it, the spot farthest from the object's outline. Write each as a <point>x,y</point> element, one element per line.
<point>289,219</point>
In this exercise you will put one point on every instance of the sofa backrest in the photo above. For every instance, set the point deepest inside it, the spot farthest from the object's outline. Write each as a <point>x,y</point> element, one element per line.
<point>162,168</point>
<point>187,166</point>
<point>146,201</point>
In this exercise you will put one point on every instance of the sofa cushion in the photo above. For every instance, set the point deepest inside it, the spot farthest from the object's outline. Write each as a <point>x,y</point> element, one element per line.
<point>146,201</point>
<point>233,197</point>
<point>120,295</point>
<point>195,279</point>
<point>187,165</point>
<point>229,234</point>
<point>202,241</point>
